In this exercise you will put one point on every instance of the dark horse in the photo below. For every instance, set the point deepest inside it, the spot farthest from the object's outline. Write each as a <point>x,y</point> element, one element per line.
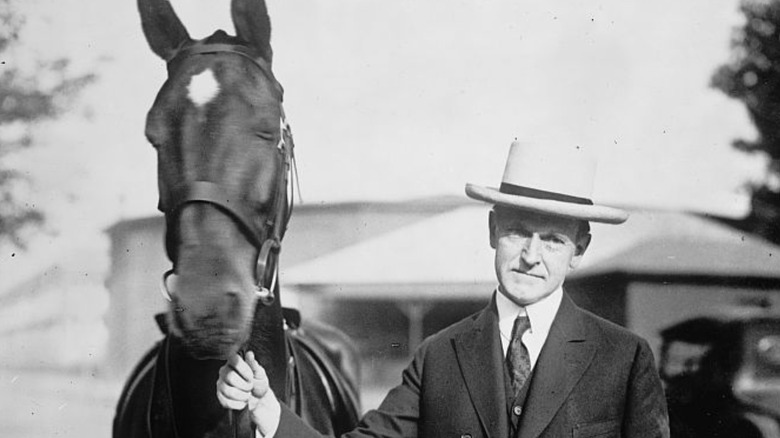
<point>224,177</point>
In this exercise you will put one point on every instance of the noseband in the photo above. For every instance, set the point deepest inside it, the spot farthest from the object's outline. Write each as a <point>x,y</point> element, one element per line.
<point>267,240</point>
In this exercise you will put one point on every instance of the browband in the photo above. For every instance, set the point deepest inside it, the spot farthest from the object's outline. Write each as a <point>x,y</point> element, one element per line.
<point>211,49</point>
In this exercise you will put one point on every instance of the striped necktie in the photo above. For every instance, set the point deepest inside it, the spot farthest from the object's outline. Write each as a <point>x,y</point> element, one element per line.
<point>518,361</point>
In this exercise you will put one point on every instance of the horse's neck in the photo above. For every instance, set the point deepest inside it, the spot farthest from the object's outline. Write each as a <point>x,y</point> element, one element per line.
<point>196,411</point>
<point>269,344</point>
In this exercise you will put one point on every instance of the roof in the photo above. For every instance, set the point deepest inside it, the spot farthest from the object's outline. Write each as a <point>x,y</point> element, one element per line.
<point>666,243</point>
<point>442,254</point>
<point>449,255</point>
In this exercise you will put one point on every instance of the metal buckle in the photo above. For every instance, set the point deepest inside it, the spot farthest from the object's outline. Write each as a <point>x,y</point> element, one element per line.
<point>164,286</point>
<point>267,271</point>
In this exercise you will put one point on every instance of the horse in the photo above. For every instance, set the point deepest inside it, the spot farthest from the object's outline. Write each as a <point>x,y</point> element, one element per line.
<point>225,176</point>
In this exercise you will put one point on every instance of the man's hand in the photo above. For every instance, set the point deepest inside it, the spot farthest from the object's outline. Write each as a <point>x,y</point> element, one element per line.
<point>244,384</point>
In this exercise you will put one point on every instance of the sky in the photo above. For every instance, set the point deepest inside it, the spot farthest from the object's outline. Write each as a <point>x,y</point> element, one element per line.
<point>414,98</point>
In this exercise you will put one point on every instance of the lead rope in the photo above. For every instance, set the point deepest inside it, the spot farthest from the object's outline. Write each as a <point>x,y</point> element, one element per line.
<point>235,418</point>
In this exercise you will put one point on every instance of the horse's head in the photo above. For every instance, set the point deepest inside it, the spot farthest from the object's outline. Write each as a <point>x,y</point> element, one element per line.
<point>223,160</point>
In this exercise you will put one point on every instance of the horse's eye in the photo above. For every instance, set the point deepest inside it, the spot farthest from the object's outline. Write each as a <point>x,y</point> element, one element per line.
<point>267,136</point>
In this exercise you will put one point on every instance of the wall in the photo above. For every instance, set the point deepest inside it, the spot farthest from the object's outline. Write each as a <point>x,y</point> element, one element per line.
<point>137,263</point>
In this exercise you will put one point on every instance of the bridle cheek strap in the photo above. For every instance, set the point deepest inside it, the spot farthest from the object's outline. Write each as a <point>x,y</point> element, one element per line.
<point>267,270</point>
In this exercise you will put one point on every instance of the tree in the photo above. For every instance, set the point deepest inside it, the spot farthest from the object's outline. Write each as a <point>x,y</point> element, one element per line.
<point>752,76</point>
<point>25,99</point>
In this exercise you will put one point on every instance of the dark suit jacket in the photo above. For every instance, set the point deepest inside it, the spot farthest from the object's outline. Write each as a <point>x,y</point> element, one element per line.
<point>592,378</point>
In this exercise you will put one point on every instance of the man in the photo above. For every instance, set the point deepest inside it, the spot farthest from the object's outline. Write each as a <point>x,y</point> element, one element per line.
<point>531,364</point>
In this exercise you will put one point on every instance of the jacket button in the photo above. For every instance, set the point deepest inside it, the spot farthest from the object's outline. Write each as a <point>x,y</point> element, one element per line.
<point>517,410</point>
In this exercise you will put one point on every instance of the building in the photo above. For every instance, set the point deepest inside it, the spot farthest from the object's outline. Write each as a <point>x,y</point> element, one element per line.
<point>52,303</point>
<point>663,267</point>
<point>389,274</point>
<point>138,261</point>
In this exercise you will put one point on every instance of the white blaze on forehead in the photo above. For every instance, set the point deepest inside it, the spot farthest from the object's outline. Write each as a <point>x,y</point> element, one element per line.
<point>203,88</point>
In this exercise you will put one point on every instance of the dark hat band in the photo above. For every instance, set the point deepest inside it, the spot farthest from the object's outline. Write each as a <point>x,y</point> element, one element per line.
<point>511,189</point>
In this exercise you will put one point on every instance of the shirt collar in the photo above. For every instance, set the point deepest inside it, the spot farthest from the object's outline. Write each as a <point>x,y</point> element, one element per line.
<point>540,314</point>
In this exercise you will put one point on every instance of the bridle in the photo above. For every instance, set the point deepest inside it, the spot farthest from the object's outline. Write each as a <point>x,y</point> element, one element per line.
<point>267,240</point>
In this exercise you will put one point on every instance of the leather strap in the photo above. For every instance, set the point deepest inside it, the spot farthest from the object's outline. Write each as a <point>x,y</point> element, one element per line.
<point>209,192</point>
<point>212,49</point>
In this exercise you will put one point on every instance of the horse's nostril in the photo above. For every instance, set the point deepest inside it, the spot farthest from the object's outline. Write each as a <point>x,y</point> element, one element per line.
<point>177,320</point>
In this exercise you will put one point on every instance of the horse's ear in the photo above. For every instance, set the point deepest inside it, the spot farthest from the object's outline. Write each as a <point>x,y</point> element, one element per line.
<point>163,30</point>
<point>250,17</point>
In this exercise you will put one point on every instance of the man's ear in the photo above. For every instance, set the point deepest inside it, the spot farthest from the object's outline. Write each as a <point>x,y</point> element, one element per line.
<point>492,226</point>
<point>582,244</point>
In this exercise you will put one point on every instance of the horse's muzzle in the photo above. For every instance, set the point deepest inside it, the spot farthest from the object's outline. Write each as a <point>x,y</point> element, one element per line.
<point>215,335</point>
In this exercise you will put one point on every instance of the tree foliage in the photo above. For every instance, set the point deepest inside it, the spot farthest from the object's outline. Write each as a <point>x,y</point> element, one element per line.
<point>25,99</point>
<point>752,76</point>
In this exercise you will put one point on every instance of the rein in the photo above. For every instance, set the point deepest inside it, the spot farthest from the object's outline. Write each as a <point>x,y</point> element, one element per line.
<point>266,268</point>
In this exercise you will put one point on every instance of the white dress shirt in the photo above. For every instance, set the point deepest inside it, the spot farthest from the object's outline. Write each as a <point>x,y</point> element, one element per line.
<point>540,315</point>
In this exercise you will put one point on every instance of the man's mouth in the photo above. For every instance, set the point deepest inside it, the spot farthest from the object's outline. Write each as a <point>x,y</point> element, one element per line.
<point>527,274</point>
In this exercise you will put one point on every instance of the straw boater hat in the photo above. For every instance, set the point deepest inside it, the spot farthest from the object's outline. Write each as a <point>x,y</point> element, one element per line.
<point>550,180</point>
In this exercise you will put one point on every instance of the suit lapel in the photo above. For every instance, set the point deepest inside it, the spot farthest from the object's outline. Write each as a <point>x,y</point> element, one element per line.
<point>566,354</point>
<point>480,358</point>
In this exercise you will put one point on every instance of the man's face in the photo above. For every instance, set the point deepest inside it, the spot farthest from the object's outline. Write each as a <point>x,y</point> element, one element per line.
<point>534,252</point>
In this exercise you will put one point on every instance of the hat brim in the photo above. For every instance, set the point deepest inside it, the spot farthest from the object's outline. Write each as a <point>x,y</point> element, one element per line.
<point>592,213</point>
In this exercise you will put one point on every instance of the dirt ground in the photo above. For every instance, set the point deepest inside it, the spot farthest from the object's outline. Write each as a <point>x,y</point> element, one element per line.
<point>56,404</point>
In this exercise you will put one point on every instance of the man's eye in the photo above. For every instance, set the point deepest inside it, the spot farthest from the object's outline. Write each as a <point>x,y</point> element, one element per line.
<point>554,241</point>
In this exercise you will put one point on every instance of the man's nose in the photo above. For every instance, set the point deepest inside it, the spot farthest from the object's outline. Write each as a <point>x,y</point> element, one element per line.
<point>531,253</point>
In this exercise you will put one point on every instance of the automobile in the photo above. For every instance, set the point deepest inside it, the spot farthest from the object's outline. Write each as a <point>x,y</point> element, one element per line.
<point>721,375</point>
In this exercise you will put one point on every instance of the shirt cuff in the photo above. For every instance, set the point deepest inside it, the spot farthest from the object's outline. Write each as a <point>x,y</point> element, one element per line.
<point>270,433</point>
<point>270,418</point>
